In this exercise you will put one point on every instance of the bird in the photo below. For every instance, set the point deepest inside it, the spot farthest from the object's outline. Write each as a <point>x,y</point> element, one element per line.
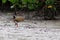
<point>17,19</point>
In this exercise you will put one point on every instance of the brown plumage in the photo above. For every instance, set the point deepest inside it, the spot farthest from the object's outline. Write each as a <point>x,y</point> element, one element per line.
<point>18,19</point>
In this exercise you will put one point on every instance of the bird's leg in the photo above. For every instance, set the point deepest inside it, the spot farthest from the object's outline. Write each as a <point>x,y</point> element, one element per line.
<point>16,24</point>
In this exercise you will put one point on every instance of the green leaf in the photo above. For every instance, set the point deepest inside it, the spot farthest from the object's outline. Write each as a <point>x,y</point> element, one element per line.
<point>49,2</point>
<point>24,1</point>
<point>32,1</point>
<point>12,1</point>
<point>30,6</point>
<point>4,1</point>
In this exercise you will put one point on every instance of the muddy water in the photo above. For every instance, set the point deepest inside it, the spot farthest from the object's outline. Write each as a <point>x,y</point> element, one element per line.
<point>29,29</point>
<point>6,20</point>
